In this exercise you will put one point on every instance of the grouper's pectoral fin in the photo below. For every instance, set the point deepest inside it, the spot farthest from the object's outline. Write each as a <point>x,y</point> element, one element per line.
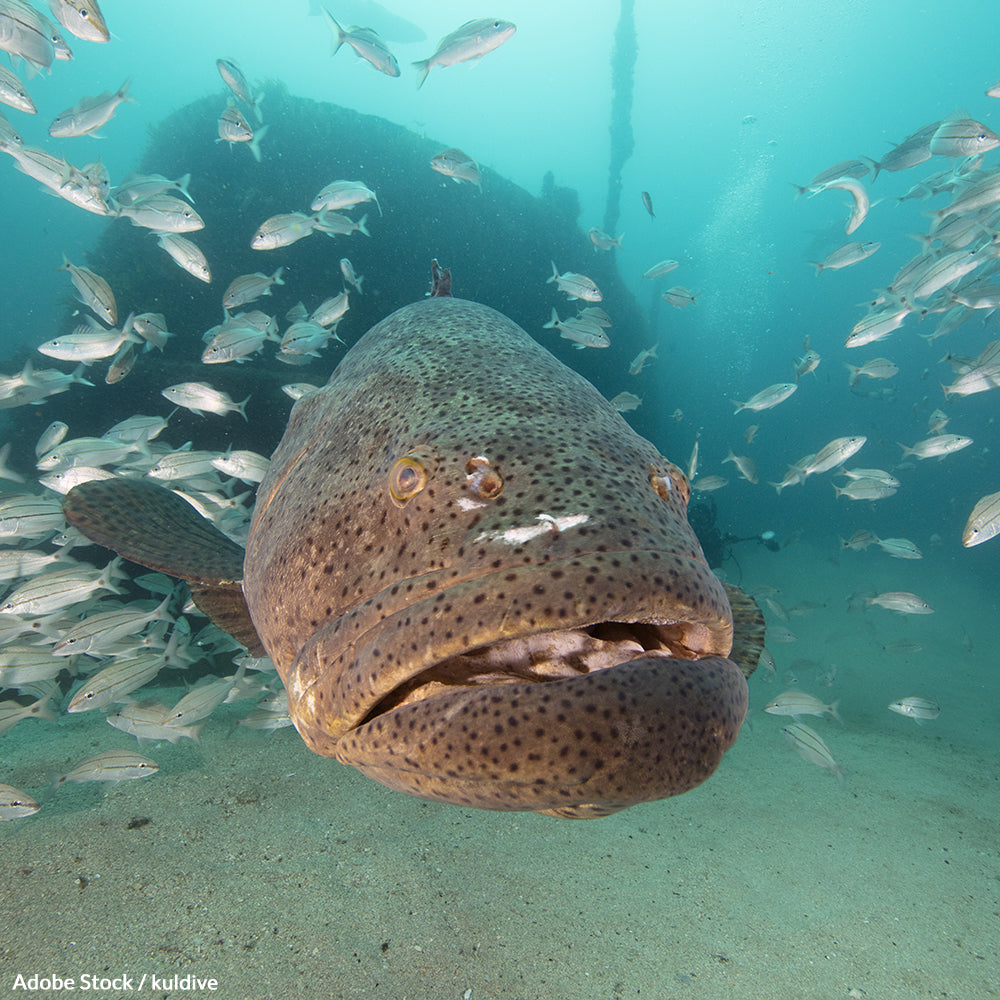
<point>154,527</point>
<point>748,630</point>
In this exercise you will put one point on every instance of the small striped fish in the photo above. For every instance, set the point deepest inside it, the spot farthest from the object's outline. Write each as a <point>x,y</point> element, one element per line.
<point>809,745</point>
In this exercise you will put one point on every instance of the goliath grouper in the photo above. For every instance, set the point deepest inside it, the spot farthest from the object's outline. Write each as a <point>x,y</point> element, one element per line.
<point>477,582</point>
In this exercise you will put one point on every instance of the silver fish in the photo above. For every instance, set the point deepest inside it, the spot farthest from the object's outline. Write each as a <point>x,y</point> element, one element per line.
<point>14,94</point>
<point>458,166</point>
<point>576,286</point>
<point>865,488</point>
<point>234,128</point>
<point>148,721</point>
<point>846,256</point>
<point>471,41</point>
<point>15,804</point>
<point>663,267</point>
<point>937,446</point>
<point>13,712</point>
<point>234,79</point>
<point>367,43</point>
<point>343,194</point>
<point>902,602</point>
<point>186,255</point>
<point>60,589</point>
<point>282,230</point>
<point>984,521</point>
<point>680,297</point>
<point>93,291</point>
<point>89,113</point>
<point>137,187</point>
<point>796,703</point>
<point>838,451</point>
<point>112,765</point>
<point>963,137</point>
<point>766,398</point>
<point>856,190</point>
<point>164,213</point>
<point>899,548</point>
<point>250,287</point>
<point>810,746</point>
<point>602,241</point>
<point>350,276</point>
<point>201,398</point>
<point>331,311</point>
<point>876,368</point>
<point>82,18</point>
<point>27,34</point>
<point>916,708</point>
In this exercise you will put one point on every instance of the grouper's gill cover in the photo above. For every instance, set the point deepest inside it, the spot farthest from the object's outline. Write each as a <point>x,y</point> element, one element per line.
<point>447,532</point>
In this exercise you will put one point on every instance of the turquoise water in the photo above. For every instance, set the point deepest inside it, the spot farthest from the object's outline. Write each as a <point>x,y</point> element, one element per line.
<point>284,874</point>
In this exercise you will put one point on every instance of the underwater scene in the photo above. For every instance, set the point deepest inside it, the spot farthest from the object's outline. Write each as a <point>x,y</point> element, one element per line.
<point>500,503</point>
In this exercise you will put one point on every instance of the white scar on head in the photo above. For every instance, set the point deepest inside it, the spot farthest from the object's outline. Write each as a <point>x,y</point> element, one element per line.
<point>547,524</point>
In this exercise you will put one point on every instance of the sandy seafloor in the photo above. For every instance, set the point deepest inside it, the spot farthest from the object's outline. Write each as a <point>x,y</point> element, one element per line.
<point>282,874</point>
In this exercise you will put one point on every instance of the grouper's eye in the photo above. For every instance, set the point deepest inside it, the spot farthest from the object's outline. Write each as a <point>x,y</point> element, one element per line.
<point>407,478</point>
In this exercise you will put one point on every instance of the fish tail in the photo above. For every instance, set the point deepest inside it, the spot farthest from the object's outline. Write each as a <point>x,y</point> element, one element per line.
<point>256,141</point>
<point>907,452</point>
<point>800,189</point>
<point>361,225</point>
<point>832,709</point>
<point>876,167</point>
<point>553,323</point>
<point>816,264</point>
<point>424,66</point>
<point>336,29</point>
<point>257,101</point>
<point>123,94</point>
<point>855,372</point>
<point>555,274</point>
<point>241,409</point>
<point>740,407</point>
<point>277,275</point>
<point>182,186</point>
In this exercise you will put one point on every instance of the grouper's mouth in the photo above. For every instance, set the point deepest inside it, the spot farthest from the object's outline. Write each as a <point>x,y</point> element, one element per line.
<point>576,720</point>
<point>500,629</point>
<point>548,656</point>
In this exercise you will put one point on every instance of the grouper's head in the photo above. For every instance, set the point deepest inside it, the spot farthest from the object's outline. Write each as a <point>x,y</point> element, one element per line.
<point>479,584</point>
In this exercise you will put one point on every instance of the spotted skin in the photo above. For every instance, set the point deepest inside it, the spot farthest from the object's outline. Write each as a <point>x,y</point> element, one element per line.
<point>446,529</point>
<point>358,594</point>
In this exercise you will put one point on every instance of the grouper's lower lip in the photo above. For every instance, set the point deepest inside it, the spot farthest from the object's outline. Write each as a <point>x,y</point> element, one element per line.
<point>578,747</point>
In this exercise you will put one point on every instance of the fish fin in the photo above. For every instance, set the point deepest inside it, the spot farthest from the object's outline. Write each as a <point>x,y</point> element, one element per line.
<point>226,607</point>
<point>361,225</point>
<point>832,709</point>
<point>424,65</point>
<point>152,526</point>
<point>256,141</point>
<point>748,630</point>
<point>336,29</point>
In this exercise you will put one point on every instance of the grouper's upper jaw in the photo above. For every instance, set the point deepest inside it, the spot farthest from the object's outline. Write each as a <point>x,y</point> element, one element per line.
<point>630,646</point>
